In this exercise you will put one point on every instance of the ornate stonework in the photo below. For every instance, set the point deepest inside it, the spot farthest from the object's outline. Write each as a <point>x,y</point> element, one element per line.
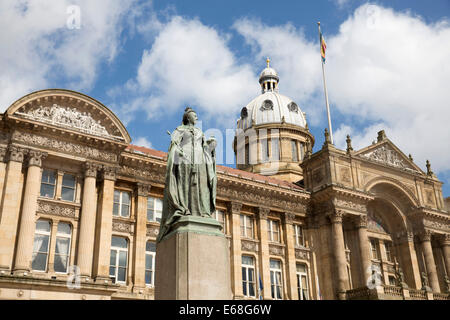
<point>388,156</point>
<point>69,118</point>
<point>109,172</point>
<point>123,226</point>
<point>302,254</point>
<point>16,153</point>
<point>56,209</point>
<point>63,146</point>
<point>276,250</point>
<point>348,204</point>
<point>152,231</point>
<point>35,158</point>
<point>247,245</point>
<point>90,169</point>
<point>262,213</point>
<point>143,189</point>
<point>234,207</point>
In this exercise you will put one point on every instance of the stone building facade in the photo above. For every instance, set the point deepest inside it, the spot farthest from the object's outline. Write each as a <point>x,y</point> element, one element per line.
<point>80,208</point>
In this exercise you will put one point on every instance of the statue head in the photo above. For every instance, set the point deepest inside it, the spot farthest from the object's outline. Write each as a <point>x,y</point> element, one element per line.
<point>189,116</point>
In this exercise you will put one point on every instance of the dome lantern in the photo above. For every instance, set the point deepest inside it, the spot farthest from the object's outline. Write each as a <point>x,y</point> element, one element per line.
<point>268,79</point>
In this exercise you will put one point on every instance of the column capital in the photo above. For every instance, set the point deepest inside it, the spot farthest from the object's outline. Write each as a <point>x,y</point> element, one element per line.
<point>444,239</point>
<point>262,213</point>
<point>289,217</point>
<point>143,189</point>
<point>16,153</point>
<point>360,221</point>
<point>425,235</point>
<point>90,169</point>
<point>3,153</point>
<point>35,158</point>
<point>234,207</point>
<point>109,172</point>
<point>336,216</point>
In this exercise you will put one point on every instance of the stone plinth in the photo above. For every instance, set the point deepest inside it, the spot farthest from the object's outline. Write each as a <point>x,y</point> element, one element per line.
<point>193,262</point>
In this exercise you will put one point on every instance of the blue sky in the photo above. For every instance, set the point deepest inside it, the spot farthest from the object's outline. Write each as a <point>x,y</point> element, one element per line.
<point>387,64</point>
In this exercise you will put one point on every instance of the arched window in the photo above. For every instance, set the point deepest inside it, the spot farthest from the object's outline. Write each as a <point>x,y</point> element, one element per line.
<point>118,260</point>
<point>41,245</point>
<point>62,249</point>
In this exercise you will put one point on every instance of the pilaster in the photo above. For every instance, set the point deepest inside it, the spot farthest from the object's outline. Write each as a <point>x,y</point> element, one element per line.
<point>291,282</point>
<point>234,208</point>
<point>264,252</point>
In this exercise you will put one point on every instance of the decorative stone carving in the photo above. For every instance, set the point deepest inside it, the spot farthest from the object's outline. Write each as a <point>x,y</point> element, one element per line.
<point>336,216</point>
<point>244,113</point>
<point>388,156</point>
<point>35,158</point>
<point>293,107</point>
<point>262,213</point>
<point>122,226</point>
<point>143,189</point>
<point>56,209</point>
<point>249,246</point>
<point>361,221</point>
<point>444,239</point>
<point>90,169</point>
<point>429,197</point>
<point>302,254</point>
<point>68,118</point>
<point>234,207</point>
<point>276,250</point>
<point>16,153</point>
<point>345,175</point>
<point>152,231</point>
<point>266,105</point>
<point>425,235</point>
<point>110,172</point>
<point>436,225</point>
<point>62,146</point>
<point>157,176</point>
<point>3,152</point>
<point>349,205</point>
<point>289,217</point>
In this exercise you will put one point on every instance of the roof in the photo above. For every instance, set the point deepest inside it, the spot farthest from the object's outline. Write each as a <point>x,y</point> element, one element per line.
<point>220,168</point>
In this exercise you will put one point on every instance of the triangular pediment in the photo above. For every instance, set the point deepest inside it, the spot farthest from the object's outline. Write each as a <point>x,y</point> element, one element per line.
<point>385,152</point>
<point>72,111</point>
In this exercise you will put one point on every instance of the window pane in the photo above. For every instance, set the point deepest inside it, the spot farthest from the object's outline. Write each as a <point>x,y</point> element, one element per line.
<point>244,274</point>
<point>122,259</point>
<point>48,176</point>
<point>60,263</point>
<point>47,190</point>
<point>251,290</point>
<point>40,243</point>
<point>112,271</point>
<point>119,242</point>
<point>125,197</point>
<point>158,204</point>
<point>158,216</point>
<point>294,150</point>
<point>150,215</point>
<point>116,209</point>
<point>39,261</point>
<point>121,274</point>
<point>150,203</point>
<point>148,262</point>
<point>247,260</point>
<point>68,180</point>
<point>64,228</point>
<point>43,225</point>
<point>150,246</point>
<point>250,275</point>
<point>301,268</point>
<point>67,194</point>
<point>62,245</point>
<point>275,264</point>
<point>125,210</point>
<point>148,277</point>
<point>112,258</point>
<point>116,196</point>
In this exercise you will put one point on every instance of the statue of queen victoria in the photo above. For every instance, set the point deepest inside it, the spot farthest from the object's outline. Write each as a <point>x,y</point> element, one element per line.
<point>190,186</point>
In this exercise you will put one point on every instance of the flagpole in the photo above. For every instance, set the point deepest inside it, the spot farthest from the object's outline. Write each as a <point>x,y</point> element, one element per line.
<point>325,89</point>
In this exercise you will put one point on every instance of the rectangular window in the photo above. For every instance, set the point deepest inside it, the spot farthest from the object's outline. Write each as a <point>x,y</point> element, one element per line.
<point>273,230</point>
<point>294,150</point>
<point>302,282</point>
<point>246,226</point>
<point>392,281</point>
<point>219,215</point>
<point>264,150</point>
<point>388,249</point>
<point>68,187</point>
<point>276,279</point>
<point>48,183</point>
<point>247,154</point>
<point>298,234</point>
<point>154,209</point>
<point>41,245</point>
<point>374,249</point>
<point>121,205</point>
<point>62,249</point>
<point>248,276</point>
<point>150,253</point>
<point>118,260</point>
<point>302,151</point>
<point>275,148</point>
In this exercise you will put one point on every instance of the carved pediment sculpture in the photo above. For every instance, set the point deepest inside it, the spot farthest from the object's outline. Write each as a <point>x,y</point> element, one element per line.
<point>385,154</point>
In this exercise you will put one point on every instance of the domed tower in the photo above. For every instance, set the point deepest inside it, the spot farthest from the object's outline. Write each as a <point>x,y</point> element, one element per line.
<point>272,135</point>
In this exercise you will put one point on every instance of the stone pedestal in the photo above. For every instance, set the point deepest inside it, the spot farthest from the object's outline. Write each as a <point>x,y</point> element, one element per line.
<point>193,262</point>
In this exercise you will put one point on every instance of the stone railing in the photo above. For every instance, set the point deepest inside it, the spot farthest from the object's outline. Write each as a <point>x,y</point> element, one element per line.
<point>358,294</point>
<point>417,294</point>
<point>441,296</point>
<point>393,291</point>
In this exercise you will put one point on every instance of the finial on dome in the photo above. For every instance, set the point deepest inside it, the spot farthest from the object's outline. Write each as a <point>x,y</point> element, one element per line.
<point>268,62</point>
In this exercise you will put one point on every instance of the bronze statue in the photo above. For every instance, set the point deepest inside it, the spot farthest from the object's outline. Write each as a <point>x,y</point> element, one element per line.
<point>191,180</point>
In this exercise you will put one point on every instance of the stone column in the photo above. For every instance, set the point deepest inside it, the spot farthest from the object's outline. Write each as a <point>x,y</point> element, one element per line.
<point>264,263</point>
<point>425,238</point>
<point>290,256</point>
<point>445,243</point>
<point>140,236</point>
<point>104,226</point>
<point>337,239</point>
<point>234,208</point>
<point>364,251</point>
<point>86,238</point>
<point>27,221</point>
<point>10,206</point>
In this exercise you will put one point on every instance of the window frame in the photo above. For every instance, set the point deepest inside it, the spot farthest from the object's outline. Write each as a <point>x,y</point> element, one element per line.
<point>49,235</point>
<point>297,236</point>
<point>69,187</point>
<point>156,212</point>
<point>388,251</point>
<point>294,150</point>
<point>55,176</point>
<point>222,223</point>
<point>120,203</point>
<point>271,232</point>
<point>63,235</point>
<point>374,249</point>
<point>248,224</point>
<point>246,284</point>
<point>300,289</point>
<point>273,279</point>
<point>153,256</point>
<point>116,265</point>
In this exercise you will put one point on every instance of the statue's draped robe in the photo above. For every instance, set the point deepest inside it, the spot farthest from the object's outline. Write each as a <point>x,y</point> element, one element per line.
<point>191,180</point>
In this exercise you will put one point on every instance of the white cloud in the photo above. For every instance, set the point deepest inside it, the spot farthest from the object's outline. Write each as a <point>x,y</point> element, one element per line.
<point>385,70</point>
<point>38,50</point>
<point>341,3</point>
<point>191,64</point>
<point>143,142</point>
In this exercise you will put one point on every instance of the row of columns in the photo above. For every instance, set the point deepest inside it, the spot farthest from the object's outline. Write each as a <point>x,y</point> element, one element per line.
<point>234,208</point>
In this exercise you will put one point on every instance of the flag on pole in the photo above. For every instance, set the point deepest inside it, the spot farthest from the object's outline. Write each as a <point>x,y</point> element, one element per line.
<point>323,47</point>
<point>260,288</point>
